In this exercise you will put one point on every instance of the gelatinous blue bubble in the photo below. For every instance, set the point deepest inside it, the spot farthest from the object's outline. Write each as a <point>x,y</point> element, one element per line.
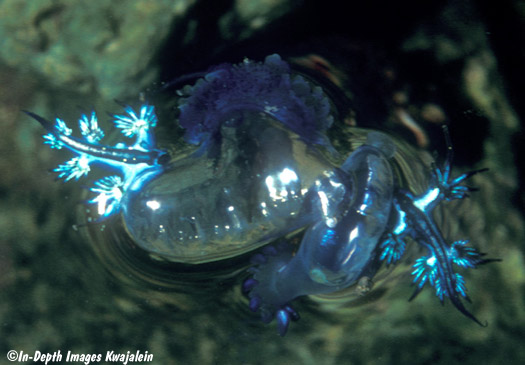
<point>262,169</point>
<point>355,203</point>
<point>253,188</point>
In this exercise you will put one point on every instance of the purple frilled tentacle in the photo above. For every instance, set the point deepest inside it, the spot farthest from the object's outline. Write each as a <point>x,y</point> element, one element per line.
<point>267,87</point>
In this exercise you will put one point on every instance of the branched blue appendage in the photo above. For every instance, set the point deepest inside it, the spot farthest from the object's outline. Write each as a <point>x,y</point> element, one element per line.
<point>90,129</point>
<point>138,125</point>
<point>425,271</point>
<point>62,128</point>
<point>137,162</point>
<point>412,216</point>
<point>466,257</point>
<point>460,286</point>
<point>451,190</point>
<point>110,191</point>
<point>52,141</point>
<point>392,248</point>
<point>74,168</point>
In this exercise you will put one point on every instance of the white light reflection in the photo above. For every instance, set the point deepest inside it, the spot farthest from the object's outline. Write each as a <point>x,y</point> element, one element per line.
<point>277,187</point>
<point>101,206</point>
<point>153,204</point>
<point>287,176</point>
<point>423,202</point>
<point>271,188</point>
<point>263,210</point>
<point>353,236</point>
<point>431,261</point>
<point>324,202</point>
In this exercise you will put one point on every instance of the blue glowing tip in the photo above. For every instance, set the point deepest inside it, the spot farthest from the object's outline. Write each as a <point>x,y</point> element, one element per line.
<point>283,321</point>
<point>110,191</point>
<point>90,129</point>
<point>425,271</point>
<point>464,256</point>
<point>393,249</point>
<point>74,168</point>
<point>133,125</point>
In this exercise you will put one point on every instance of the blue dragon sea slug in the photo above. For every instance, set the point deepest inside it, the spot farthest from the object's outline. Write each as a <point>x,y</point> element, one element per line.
<point>261,168</point>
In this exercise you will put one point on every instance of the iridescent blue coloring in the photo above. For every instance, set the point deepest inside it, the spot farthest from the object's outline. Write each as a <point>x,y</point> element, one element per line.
<point>260,171</point>
<point>137,162</point>
<point>412,217</point>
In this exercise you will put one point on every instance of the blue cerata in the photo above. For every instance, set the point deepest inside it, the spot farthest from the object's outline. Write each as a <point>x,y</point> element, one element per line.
<point>261,170</point>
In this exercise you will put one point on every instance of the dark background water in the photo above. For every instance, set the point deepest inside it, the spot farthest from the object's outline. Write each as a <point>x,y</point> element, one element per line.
<point>59,57</point>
